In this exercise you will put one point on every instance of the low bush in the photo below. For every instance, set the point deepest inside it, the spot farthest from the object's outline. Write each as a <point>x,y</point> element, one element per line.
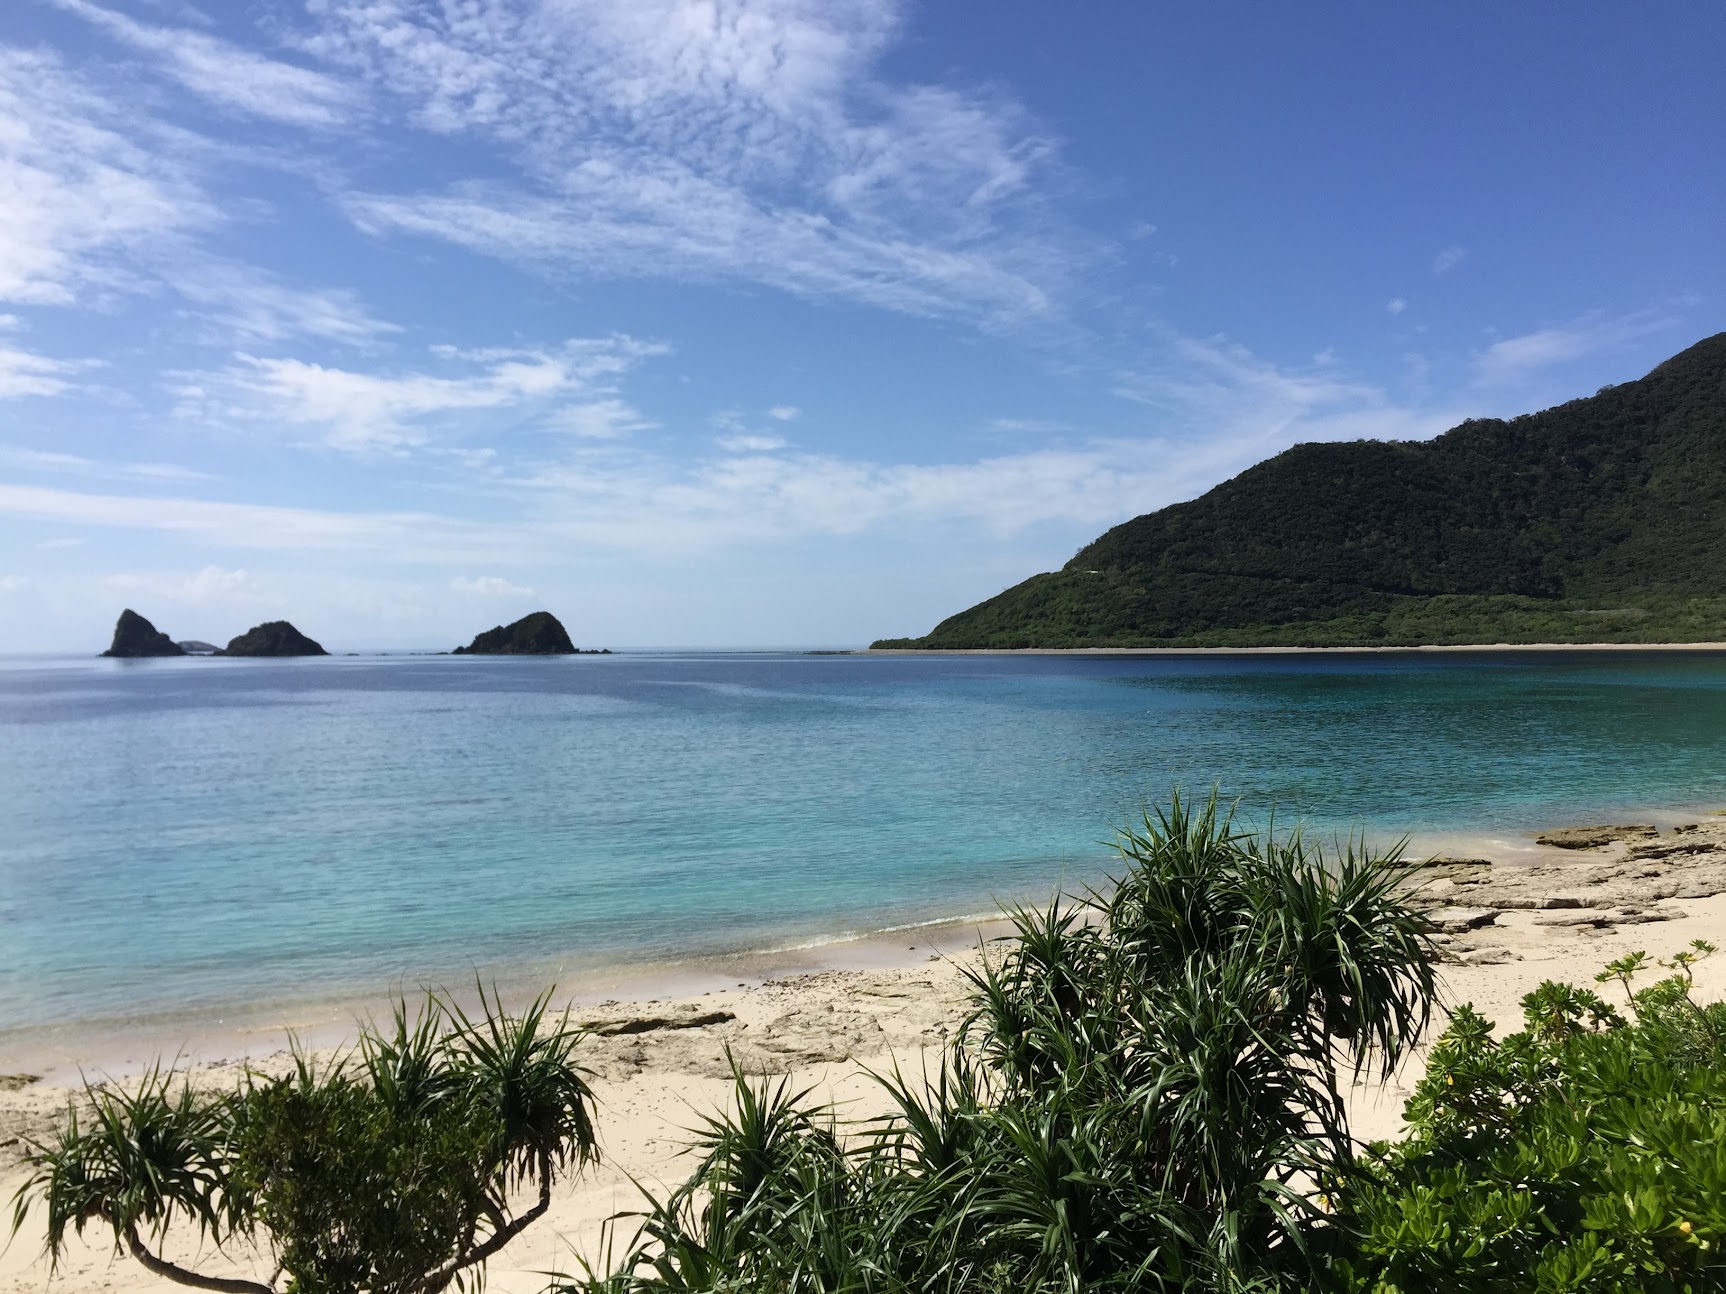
<point>394,1169</point>
<point>1585,1153</point>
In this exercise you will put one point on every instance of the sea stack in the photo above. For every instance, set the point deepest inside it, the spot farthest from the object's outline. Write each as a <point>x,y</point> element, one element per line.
<point>275,638</point>
<point>136,636</point>
<point>538,634</point>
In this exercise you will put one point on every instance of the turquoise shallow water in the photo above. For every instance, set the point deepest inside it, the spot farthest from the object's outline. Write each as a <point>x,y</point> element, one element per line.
<point>197,835</point>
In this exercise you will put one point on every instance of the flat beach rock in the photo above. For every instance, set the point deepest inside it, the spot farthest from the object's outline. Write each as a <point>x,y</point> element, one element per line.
<point>1690,863</point>
<point>688,1018</point>
<point>1454,921</point>
<point>1490,956</point>
<point>1597,837</point>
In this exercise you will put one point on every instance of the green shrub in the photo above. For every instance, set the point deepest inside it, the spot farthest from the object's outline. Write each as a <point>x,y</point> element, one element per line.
<point>1143,1094</point>
<point>392,1169</point>
<point>1585,1153</point>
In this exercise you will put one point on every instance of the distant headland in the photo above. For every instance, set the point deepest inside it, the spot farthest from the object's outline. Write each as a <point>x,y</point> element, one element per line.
<point>537,634</point>
<point>1598,521</point>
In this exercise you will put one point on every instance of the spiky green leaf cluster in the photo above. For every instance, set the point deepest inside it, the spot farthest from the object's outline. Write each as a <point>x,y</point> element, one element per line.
<point>391,1169</point>
<point>1143,1097</point>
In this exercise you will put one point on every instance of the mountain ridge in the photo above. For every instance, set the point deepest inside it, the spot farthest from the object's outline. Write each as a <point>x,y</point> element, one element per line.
<point>1600,519</point>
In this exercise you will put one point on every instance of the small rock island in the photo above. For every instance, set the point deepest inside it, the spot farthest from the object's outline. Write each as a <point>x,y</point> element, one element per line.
<point>537,634</point>
<point>136,636</point>
<point>274,638</point>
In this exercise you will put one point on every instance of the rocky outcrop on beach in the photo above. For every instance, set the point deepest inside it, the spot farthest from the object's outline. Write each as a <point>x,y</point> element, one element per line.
<point>197,647</point>
<point>783,1026</point>
<point>136,636</point>
<point>274,638</point>
<point>1594,837</point>
<point>1634,881</point>
<point>537,634</point>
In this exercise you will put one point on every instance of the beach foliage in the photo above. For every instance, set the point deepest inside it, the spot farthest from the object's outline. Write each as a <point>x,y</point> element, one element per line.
<point>398,1167</point>
<point>1586,1152</point>
<point>1143,1097</point>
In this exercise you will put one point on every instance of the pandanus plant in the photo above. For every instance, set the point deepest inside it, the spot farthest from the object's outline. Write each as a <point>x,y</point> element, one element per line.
<point>397,1168</point>
<point>1146,1095</point>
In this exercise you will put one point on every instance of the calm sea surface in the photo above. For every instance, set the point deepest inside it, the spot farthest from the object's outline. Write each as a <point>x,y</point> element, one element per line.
<point>196,835</point>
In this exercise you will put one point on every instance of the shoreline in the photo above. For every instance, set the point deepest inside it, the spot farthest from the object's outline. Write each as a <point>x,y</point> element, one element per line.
<point>1286,651</point>
<point>659,1063</point>
<point>60,1053</point>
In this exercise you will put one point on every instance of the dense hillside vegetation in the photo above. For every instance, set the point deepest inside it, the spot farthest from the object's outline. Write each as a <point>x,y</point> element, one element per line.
<point>1603,519</point>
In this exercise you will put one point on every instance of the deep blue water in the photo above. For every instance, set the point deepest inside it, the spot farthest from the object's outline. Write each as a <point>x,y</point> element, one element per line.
<point>196,835</point>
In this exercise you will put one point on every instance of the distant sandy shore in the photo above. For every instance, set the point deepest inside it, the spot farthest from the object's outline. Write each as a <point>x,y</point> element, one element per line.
<point>896,999</point>
<point>1278,651</point>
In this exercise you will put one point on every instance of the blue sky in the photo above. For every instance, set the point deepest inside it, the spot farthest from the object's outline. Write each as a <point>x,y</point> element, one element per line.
<point>779,321</point>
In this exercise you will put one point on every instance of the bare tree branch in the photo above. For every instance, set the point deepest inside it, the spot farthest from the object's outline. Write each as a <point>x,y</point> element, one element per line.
<point>184,1276</point>
<point>438,1280</point>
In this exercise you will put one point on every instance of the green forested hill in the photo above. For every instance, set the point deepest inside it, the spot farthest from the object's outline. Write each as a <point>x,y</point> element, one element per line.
<point>1603,519</point>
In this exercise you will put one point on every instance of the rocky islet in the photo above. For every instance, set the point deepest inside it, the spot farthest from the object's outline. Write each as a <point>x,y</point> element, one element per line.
<point>135,636</point>
<point>273,638</point>
<point>537,634</point>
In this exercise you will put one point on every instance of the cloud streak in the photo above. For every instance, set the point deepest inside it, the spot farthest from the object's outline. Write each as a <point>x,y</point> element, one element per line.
<point>227,74</point>
<point>19,458</point>
<point>1513,359</point>
<point>370,413</point>
<point>211,584</point>
<point>25,373</point>
<point>751,142</point>
<point>81,201</point>
<point>99,201</point>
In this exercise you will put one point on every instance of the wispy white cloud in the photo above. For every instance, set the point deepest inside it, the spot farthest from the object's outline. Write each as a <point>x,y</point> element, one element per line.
<point>243,302</point>
<point>99,200</point>
<point>399,536</point>
<point>654,505</point>
<point>369,412</point>
<point>785,413</point>
<point>81,198</point>
<point>25,373</point>
<point>607,419</point>
<point>489,586</point>
<point>752,141</point>
<point>748,443</point>
<point>14,583</point>
<point>1448,259</point>
<point>1032,426</point>
<point>211,584</point>
<point>1396,305</point>
<point>1221,408</point>
<point>227,74</point>
<point>21,458</point>
<point>1227,408</point>
<point>1512,359</point>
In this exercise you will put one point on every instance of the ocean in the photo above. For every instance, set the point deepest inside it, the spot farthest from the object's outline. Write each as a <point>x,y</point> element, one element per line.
<point>192,837</point>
